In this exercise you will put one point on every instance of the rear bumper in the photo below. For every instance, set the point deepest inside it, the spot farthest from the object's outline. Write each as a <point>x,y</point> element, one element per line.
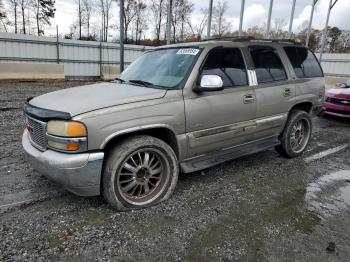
<point>78,173</point>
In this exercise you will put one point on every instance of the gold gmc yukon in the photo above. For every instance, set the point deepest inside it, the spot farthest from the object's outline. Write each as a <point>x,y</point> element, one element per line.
<point>177,108</point>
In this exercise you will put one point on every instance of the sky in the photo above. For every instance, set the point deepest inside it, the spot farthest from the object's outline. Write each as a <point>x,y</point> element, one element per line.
<point>255,13</point>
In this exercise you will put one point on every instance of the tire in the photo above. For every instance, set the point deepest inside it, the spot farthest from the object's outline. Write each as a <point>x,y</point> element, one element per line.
<point>296,134</point>
<point>139,172</point>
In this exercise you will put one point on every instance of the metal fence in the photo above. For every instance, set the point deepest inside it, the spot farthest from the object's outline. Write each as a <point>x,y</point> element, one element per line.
<point>80,58</point>
<point>83,59</point>
<point>337,65</point>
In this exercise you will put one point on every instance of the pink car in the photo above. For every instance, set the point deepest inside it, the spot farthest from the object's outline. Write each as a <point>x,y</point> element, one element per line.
<point>337,101</point>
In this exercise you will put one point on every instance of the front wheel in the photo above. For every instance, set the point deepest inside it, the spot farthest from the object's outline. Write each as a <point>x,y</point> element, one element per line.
<point>296,134</point>
<point>139,172</point>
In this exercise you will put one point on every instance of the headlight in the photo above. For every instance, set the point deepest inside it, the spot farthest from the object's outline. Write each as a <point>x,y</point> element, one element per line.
<point>67,136</point>
<point>66,128</point>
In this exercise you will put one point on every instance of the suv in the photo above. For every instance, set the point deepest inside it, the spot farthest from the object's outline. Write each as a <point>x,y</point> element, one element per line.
<point>177,108</point>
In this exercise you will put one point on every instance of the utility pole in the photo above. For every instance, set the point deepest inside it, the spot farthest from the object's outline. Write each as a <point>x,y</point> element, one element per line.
<point>291,20</point>
<point>80,24</point>
<point>57,46</point>
<point>324,36</point>
<point>241,17</point>
<point>209,18</point>
<point>310,23</point>
<point>121,44</point>
<point>267,35</point>
<point>168,23</point>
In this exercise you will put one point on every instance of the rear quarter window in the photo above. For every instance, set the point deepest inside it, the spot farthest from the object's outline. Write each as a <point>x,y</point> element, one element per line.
<point>304,62</point>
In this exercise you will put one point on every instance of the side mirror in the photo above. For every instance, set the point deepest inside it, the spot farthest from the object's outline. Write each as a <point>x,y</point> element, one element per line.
<point>340,85</point>
<point>210,83</point>
<point>347,83</point>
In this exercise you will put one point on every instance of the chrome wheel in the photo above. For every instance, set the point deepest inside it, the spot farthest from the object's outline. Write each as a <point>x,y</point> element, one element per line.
<point>143,176</point>
<point>300,135</point>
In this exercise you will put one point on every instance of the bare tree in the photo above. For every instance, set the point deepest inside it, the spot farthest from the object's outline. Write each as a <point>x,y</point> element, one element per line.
<point>14,5</point>
<point>220,24</point>
<point>80,18</point>
<point>198,27</point>
<point>3,15</point>
<point>108,17</point>
<point>181,11</point>
<point>24,5</point>
<point>140,19</point>
<point>75,30</point>
<point>105,9</point>
<point>278,28</point>
<point>185,8</point>
<point>129,15</point>
<point>158,9</point>
<point>87,13</point>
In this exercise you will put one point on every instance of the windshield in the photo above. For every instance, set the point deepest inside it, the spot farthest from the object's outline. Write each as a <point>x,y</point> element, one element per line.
<point>162,68</point>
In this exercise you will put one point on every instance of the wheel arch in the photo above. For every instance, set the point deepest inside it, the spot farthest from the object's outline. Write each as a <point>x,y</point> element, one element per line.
<point>162,132</point>
<point>304,106</point>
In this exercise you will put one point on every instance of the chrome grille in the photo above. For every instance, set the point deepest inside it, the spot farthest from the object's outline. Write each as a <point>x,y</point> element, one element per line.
<point>37,132</point>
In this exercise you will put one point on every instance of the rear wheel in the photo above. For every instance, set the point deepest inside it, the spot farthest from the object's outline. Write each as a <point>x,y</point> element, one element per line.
<point>296,134</point>
<point>139,172</point>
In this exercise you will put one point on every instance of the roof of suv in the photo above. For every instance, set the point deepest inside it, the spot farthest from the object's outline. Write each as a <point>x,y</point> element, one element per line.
<point>234,41</point>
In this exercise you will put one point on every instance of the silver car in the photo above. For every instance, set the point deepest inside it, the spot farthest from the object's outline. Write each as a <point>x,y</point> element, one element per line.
<point>177,108</point>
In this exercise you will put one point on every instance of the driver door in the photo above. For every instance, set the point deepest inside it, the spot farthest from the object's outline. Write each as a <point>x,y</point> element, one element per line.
<point>217,120</point>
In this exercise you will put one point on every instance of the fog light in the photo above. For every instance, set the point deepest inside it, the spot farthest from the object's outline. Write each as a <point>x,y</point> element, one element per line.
<point>63,146</point>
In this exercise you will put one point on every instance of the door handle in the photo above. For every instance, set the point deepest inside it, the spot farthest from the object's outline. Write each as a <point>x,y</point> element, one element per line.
<point>287,92</point>
<point>248,99</point>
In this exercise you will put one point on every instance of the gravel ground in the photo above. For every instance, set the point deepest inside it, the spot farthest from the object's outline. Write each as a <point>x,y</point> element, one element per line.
<point>258,208</point>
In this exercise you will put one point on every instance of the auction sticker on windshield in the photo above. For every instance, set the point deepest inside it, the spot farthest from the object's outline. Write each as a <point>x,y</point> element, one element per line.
<point>188,51</point>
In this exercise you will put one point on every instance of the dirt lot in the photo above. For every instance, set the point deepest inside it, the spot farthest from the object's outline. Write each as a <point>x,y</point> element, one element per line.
<point>258,208</point>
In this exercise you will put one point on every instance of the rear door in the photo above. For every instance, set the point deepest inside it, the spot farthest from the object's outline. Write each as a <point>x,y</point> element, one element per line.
<point>309,82</point>
<point>274,91</point>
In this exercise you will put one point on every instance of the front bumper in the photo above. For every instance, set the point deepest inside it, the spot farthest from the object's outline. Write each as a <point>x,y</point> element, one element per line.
<point>78,173</point>
<point>336,110</point>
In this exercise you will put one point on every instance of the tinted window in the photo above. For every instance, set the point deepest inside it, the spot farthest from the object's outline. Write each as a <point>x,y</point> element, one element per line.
<point>227,63</point>
<point>304,62</point>
<point>267,63</point>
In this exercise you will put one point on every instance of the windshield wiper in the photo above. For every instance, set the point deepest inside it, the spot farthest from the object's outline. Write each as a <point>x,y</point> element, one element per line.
<point>143,83</point>
<point>120,80</point>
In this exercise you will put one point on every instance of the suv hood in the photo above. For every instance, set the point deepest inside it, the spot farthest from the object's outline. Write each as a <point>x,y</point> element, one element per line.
<point>82,99</point>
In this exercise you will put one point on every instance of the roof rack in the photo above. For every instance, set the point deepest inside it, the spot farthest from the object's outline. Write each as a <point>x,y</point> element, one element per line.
<point>282,40</point>
<point>252,39</point>
<point>232,38</point>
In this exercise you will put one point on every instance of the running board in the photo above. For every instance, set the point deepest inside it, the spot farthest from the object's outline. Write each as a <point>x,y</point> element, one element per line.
<point>218,157</point>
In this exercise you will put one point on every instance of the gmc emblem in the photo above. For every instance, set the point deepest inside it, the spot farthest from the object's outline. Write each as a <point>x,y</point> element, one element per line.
<point>30,129</point>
